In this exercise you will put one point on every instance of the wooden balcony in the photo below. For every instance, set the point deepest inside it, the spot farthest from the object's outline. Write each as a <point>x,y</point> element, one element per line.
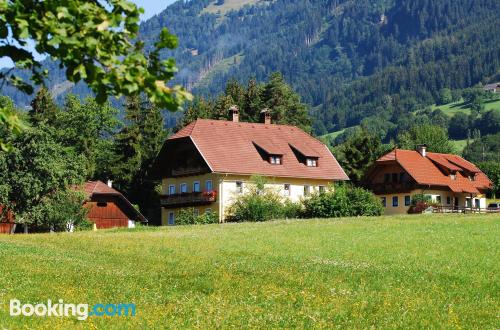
<point>188,171</point>
<point>188,199</point>
<point>391,187</point>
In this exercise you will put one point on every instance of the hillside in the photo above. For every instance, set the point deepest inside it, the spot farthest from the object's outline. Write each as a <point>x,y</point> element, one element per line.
<point>453,108</point>
<point>348,59</point>
<point>408,272</point>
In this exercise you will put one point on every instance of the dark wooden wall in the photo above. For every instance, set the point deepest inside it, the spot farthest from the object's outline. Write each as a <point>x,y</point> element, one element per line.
<point>6,221</point>
<point>108,216</point>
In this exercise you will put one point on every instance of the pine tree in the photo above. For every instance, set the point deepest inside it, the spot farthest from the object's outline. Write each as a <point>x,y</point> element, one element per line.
<point>43,108</point>
<point>128,146</point>
<point>136,146</point>
<point>276,95</point>
<point>285,104</point>
<point>358,153</point>
<point>253,101</point>
<point>153,134</point>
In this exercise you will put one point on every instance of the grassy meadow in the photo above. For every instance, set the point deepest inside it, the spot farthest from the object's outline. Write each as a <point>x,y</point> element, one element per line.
<point>429,271</point>
<point>227,6</point>
<point>451,109</point>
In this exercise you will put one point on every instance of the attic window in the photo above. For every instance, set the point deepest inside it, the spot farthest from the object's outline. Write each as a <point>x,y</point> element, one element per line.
<point>312,162</point>
<point>275,160</point>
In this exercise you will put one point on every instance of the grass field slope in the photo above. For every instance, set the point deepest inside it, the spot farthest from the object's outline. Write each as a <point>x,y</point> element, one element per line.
<point>389,272</point>
<point>451,109</point>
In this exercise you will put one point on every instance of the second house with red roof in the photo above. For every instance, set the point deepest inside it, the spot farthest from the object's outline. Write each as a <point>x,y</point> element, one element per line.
<point>208,163</point>
<point>448,181</point>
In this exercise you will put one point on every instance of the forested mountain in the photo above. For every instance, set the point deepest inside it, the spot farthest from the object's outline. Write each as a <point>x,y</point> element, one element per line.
<point>347,59</point>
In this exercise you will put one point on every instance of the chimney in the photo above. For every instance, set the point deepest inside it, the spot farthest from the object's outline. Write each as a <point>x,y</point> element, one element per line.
<point>265,116</point>
<point>422,149</point>
<point>235,113</point>
<point>110,183</point>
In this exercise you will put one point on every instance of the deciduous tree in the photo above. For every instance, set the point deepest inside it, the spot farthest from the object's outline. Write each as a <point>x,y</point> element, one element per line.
<point>435,137</point>
<point>96,41</point>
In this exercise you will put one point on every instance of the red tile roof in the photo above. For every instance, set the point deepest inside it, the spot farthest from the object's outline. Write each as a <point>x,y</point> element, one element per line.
<point>426,170</point>
<point>98,187</point>
<point>229,147</point>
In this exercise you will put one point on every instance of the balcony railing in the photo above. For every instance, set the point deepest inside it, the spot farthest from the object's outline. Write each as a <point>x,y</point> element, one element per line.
<point>187,171</point>
<point>392,187</point>
<point>188,199</point>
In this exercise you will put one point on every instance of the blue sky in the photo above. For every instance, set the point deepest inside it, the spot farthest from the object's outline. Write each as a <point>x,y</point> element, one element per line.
<point>151,8</point>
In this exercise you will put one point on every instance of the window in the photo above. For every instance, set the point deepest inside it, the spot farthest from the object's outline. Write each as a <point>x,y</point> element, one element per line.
<point>402,177</point>
<point>171,218</point>
<point>438,199</point>
<point>321,189</point>
<point>387,178</point>
<point>407,200</point>
<point>468,202</point>
<point>196,186</point>
<point>312,162</point>
<point>208,185</point>
<point>453,176</point>
<point>448,200</point>
<point>395,201</point>
<point>184,188</point>
<point>477,203</point>
<point>171,189</point>
<point>286,189</point>
<point>384,201</point>
<point>394,177</point>
<point>239,187</point>
<point>275,160</point>
<point>307,190</point>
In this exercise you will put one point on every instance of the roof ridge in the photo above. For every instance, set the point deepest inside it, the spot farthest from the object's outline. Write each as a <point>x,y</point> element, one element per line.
<point>248,123</point>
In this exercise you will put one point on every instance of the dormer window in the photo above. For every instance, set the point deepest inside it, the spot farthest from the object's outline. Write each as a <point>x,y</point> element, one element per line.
<point>453,176</point>
<point>312,162</point>
<point>275,160</point>
<point>305,154</point>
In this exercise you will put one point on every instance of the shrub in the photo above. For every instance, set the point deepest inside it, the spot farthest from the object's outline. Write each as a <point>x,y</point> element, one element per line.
<point>344,201</point>
<point>419,203</point>
<point>291,210</point>
<point>256,206</point>
<point>207,218</point>
<point>420,198</point>
<point>363,202</point>
<point>261,204</point>
<point>189,217</point>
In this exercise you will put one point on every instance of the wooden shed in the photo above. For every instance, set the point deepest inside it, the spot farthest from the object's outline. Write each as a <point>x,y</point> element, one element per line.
<point>7,225</point>
<point>108,208</point>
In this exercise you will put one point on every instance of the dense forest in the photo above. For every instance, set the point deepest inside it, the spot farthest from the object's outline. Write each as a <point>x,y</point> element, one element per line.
<point>348,60</point>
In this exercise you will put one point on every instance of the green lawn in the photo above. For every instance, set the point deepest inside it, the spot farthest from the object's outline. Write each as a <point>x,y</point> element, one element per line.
<point>391,272</point>
<point>460,145</point>
<point>452,108</point>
